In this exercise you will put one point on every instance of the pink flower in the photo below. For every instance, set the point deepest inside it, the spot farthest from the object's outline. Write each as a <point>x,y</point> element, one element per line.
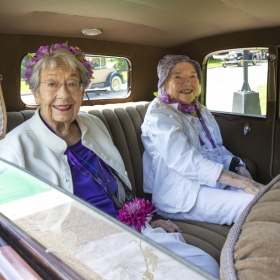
<point>165,98</point>
<point>187,108</point>
<point>79,55</point>
<point>135,213</point>
<point>41,51</point>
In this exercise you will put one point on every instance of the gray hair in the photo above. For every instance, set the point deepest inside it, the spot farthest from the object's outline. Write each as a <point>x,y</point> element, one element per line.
<point>50,60</point>
<point>167,63</point>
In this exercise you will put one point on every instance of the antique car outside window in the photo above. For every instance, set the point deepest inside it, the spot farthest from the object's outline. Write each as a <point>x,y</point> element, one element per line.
<point>93,244</point>
<point>111,79</point>
<point>236,81</point>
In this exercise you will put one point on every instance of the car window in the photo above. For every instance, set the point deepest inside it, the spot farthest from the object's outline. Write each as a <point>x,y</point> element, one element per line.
<point>236,81</point>
<point>91,242</point>
<point>111,79</point>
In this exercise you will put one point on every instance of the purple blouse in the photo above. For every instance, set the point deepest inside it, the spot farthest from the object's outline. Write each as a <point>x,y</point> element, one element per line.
<point>85,186</point>
<point>84,163</point>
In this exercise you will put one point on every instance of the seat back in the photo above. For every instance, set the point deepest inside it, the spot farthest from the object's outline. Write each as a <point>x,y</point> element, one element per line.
<point>3,114</point>
<point>124,126</point>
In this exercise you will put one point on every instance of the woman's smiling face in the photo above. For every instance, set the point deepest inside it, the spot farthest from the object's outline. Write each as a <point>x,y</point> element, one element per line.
<point>61,105</point>
<point>182,83</point>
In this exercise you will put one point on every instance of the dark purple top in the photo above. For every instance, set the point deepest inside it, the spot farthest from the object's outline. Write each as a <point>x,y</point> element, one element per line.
<point>82,173</point>
<point>85,186</point>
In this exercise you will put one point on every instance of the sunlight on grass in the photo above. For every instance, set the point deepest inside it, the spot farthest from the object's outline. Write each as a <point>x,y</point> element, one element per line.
<point>262,90</point>
<point>24,87</point>
<point>212,63</point>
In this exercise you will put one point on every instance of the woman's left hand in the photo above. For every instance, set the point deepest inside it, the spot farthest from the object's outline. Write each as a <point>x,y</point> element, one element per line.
<point>168,226</point>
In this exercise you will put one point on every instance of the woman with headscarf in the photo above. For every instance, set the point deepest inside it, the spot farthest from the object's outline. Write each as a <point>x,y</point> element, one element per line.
<point>188,171</point>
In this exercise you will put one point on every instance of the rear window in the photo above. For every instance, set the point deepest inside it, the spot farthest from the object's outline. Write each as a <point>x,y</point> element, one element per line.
<point>111,79</point>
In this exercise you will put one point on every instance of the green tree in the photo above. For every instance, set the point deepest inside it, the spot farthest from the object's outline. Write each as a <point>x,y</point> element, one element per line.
<point>23,65</point>
<point>121,63</point>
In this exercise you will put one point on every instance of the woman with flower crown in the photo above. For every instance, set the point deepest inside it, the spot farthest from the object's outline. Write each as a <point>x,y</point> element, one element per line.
<point>75,151</point>
<point>188,171</point>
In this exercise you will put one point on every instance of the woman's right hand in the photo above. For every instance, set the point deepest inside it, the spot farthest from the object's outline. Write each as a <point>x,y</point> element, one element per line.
<point>252,187</point>
<point>241,182</point>
<point>168,226</point>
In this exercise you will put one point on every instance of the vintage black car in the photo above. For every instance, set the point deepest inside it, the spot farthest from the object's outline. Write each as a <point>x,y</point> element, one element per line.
<point>237,58</point>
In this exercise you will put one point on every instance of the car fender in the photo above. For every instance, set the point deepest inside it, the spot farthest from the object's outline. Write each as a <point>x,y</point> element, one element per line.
<point>113,74</point>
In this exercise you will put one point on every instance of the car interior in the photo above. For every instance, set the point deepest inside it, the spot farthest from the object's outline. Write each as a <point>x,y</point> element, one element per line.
<point>133,36</point>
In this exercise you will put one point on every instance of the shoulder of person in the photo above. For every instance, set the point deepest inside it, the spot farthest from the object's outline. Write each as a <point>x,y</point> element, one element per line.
<point>159,107</point>
<point>157,104</point>
<point>88,117</point>
<point>207,112</point>
<point>18,132</point>
<point>205,109</point>
<point>90,121</point>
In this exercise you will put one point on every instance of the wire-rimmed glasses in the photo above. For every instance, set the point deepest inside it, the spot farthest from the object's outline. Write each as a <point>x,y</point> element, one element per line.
<point>71,86</point>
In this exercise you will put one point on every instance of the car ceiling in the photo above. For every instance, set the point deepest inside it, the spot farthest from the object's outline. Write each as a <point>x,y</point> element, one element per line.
<point>158,23</point>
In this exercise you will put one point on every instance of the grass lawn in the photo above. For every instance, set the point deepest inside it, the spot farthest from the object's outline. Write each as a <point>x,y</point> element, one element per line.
<point>262,90</point>
<point>212,63</point>
<point>23,86</point>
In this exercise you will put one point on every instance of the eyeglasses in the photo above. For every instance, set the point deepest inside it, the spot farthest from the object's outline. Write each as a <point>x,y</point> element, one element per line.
<point>54,86</point>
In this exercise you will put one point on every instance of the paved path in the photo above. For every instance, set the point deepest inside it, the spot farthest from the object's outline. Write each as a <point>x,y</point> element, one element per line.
<point>223,82</point>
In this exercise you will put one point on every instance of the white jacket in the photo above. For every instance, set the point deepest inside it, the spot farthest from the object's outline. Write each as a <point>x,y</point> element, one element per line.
<point>34,147</point>
<point>174,162</point>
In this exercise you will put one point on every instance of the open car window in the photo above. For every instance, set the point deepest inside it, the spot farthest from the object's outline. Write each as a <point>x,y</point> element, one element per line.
<point>93,244</point>
<point>236,81</point>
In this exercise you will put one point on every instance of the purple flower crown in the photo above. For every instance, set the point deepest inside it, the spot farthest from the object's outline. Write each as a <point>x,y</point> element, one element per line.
<point>135,213</point>
<point>186,108</point>
<point>78,53</point>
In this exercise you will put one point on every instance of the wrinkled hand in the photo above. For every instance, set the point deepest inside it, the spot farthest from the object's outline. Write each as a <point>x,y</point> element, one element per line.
<point>241,182</point>
<point>252,187</point>
<point>168,226</point>
<point>244,172</point>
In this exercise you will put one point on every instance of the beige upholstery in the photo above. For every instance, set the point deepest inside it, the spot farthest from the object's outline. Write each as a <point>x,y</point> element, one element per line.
<point>252,249</point>
<point>3,114</point>
<point>124,124</point>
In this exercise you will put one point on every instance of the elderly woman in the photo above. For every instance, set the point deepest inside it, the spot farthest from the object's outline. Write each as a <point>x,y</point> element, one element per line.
<point>189,172</point>
<point>74,150</point>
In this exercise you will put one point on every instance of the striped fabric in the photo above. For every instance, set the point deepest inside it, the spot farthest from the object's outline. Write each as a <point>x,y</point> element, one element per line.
<point>3,113</point>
